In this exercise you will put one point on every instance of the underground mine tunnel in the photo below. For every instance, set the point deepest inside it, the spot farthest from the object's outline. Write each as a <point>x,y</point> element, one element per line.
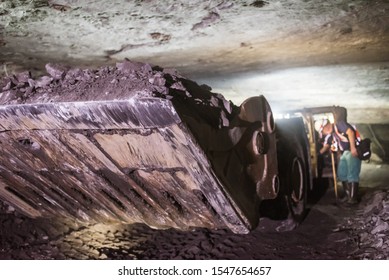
<point>157,130</point>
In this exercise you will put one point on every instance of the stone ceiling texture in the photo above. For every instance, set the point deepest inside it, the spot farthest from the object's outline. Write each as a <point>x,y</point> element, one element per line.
<point>298,53</point>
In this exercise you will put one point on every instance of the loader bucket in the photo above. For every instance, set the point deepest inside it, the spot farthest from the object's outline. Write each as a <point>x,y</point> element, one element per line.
<point>137,160</point>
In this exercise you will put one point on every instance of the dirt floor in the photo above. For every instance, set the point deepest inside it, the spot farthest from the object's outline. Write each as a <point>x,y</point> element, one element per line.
<point>330,231</point>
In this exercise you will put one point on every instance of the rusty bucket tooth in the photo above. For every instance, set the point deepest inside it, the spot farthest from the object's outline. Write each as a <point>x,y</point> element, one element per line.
<point>131,161</point>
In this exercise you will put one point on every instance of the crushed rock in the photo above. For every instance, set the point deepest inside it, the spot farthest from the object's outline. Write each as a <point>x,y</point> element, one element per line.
<point>127,79</point>
<point>370,227</point>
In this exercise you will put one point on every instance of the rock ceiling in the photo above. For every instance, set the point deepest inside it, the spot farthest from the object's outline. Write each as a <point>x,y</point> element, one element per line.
<point>297,53</point>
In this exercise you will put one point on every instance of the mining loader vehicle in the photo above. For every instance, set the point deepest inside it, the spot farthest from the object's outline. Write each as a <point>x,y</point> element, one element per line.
<point>314,118</point>
<point>178,156</point>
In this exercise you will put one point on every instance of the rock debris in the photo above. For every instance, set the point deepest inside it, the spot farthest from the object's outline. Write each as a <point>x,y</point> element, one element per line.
<point>370,227</point>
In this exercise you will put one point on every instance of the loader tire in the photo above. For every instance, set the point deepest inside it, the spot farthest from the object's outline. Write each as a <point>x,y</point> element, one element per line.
<point>294,187</point>
<point>293,167</point>
<point>290,205</point>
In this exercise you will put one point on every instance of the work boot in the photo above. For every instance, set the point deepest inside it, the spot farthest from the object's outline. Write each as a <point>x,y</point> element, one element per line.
<point>346,191</point>
<point>353,187</point>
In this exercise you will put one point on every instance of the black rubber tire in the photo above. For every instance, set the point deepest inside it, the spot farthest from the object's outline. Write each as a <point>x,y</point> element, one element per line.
<point>293,187</point>
<point>294,169</point>
<point>294,173</point>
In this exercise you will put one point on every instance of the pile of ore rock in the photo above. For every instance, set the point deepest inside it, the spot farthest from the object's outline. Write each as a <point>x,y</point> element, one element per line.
<point>125,80</point>
<point>370,227</point>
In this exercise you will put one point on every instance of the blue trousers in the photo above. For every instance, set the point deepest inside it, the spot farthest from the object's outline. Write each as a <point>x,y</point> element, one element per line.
<point>349,168</point>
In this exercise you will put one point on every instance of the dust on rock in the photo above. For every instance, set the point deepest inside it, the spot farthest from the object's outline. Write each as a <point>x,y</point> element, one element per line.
<point>370,227</point>
<point>125,80</point>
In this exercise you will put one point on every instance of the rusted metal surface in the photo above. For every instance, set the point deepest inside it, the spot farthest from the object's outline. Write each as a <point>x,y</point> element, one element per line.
<point>138,161</point>
<point>133,169</point>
